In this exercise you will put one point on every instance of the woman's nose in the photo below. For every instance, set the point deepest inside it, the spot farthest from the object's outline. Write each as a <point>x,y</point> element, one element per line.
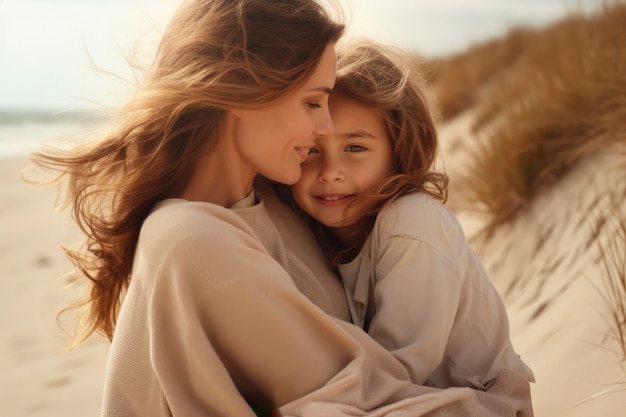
<point>324,126</point>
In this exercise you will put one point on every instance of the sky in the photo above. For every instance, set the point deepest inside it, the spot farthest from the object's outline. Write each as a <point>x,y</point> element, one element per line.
<point>61,55</point>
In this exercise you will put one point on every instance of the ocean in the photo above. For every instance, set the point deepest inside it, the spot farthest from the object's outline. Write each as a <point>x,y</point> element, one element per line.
<point>22,132</point>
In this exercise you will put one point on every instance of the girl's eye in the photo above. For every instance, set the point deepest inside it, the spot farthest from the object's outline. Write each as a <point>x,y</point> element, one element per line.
<point>313,105</point>
<point>356,148</point>
<point>313,150</point>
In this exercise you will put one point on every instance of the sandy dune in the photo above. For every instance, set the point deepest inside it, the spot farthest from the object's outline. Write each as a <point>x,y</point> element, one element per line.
<point>546,266</point>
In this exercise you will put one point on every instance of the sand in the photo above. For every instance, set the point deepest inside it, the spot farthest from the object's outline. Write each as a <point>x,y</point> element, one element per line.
<point>545,265</point>
<point>37,378</point>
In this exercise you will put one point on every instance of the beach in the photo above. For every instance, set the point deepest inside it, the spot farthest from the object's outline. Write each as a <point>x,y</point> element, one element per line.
<point>37,377</point>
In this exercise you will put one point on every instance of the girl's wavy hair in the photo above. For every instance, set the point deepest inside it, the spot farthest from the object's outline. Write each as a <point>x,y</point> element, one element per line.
<point>388,79</point>
<point>214,55</point>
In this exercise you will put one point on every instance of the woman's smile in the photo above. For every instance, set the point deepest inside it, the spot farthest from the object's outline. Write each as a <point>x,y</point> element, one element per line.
<point>303,152</point>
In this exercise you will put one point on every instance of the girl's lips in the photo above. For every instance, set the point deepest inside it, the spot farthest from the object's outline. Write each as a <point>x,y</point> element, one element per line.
<point>332,200</point>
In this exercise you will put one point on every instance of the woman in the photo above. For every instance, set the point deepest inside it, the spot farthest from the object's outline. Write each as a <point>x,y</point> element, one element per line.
<point>211,322</point>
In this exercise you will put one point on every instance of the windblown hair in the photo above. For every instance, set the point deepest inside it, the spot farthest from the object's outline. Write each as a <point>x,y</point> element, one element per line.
<point>215,55</point>
<point>387,79</point>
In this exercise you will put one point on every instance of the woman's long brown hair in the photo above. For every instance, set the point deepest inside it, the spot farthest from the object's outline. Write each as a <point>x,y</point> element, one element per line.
<point>215,55</point>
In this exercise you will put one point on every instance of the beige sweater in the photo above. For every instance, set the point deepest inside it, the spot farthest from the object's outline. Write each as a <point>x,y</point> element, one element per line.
<point>211,320</point>
<point>422,293</point>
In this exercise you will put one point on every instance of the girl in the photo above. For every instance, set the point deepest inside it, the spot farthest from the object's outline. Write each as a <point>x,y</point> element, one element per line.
<point>412,280</point>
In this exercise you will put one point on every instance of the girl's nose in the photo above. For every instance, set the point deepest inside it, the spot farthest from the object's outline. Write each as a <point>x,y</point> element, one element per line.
<point>331,170</point>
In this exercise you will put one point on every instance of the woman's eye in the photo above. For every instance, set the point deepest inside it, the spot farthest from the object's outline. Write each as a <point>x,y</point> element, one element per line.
<point>314,105</point>
<point>356,148</point>
<point>313,150</point>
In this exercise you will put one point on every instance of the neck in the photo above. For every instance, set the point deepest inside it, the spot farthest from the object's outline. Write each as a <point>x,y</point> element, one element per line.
<point>221,176</point>
<point>344,236</point>
<point>352,237</point>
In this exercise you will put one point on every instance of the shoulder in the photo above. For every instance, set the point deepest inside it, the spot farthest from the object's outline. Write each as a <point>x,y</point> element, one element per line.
<point>192,225</point>
<point>419,215</point>
<point>421,219</point>
<point>200,247</point>
<point>190,216</point>
<point>417,201</point>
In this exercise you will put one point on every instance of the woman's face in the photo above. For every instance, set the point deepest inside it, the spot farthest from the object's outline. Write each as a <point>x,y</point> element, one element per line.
<point>275,140</point>
<point>355,158</point>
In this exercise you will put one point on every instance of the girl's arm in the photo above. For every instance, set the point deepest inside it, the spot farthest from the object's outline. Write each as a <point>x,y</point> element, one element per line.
<point>435,307</point>
<point>416,297</point>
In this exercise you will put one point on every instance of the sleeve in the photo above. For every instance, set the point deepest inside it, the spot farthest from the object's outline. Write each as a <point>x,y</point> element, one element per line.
<point>225,319</point>
<point>222,308</point>
<point>416,294</point>
<point>435,308</point>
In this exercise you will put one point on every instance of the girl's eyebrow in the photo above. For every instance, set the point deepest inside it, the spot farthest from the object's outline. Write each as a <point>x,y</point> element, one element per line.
<point>359,134</point>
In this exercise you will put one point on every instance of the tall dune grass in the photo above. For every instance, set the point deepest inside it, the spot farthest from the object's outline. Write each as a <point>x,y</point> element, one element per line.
<point>613,264</point>
<point>458,80</point>
<point>542,101</point>
<point>561,99</point>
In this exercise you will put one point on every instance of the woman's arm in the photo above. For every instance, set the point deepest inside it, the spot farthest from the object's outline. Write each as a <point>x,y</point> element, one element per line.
<point>220,306</point>
<point>224,318</point>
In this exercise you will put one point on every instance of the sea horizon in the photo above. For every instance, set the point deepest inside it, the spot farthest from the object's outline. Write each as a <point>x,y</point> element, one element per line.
<point>23,130</point>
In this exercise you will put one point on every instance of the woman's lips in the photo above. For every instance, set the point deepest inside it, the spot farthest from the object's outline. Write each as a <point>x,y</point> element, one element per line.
<point>303,152</point>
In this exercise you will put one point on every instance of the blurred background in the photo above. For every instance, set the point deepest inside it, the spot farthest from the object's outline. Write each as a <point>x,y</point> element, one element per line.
<point>62,58</point>
<point>61,55</point>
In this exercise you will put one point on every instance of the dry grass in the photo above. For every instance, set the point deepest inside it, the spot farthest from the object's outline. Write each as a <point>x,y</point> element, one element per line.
<point>458,80</point>
<point>613,263</point>
<point>543,101</point>
<point>559,96</point>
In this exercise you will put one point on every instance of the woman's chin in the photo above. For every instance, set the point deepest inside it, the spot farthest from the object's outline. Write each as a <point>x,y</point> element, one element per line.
<point>289,177</point>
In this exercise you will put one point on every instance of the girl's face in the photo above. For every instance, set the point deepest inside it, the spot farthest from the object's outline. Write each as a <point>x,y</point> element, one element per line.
<point>355,158</point>
<point>275,140</point>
